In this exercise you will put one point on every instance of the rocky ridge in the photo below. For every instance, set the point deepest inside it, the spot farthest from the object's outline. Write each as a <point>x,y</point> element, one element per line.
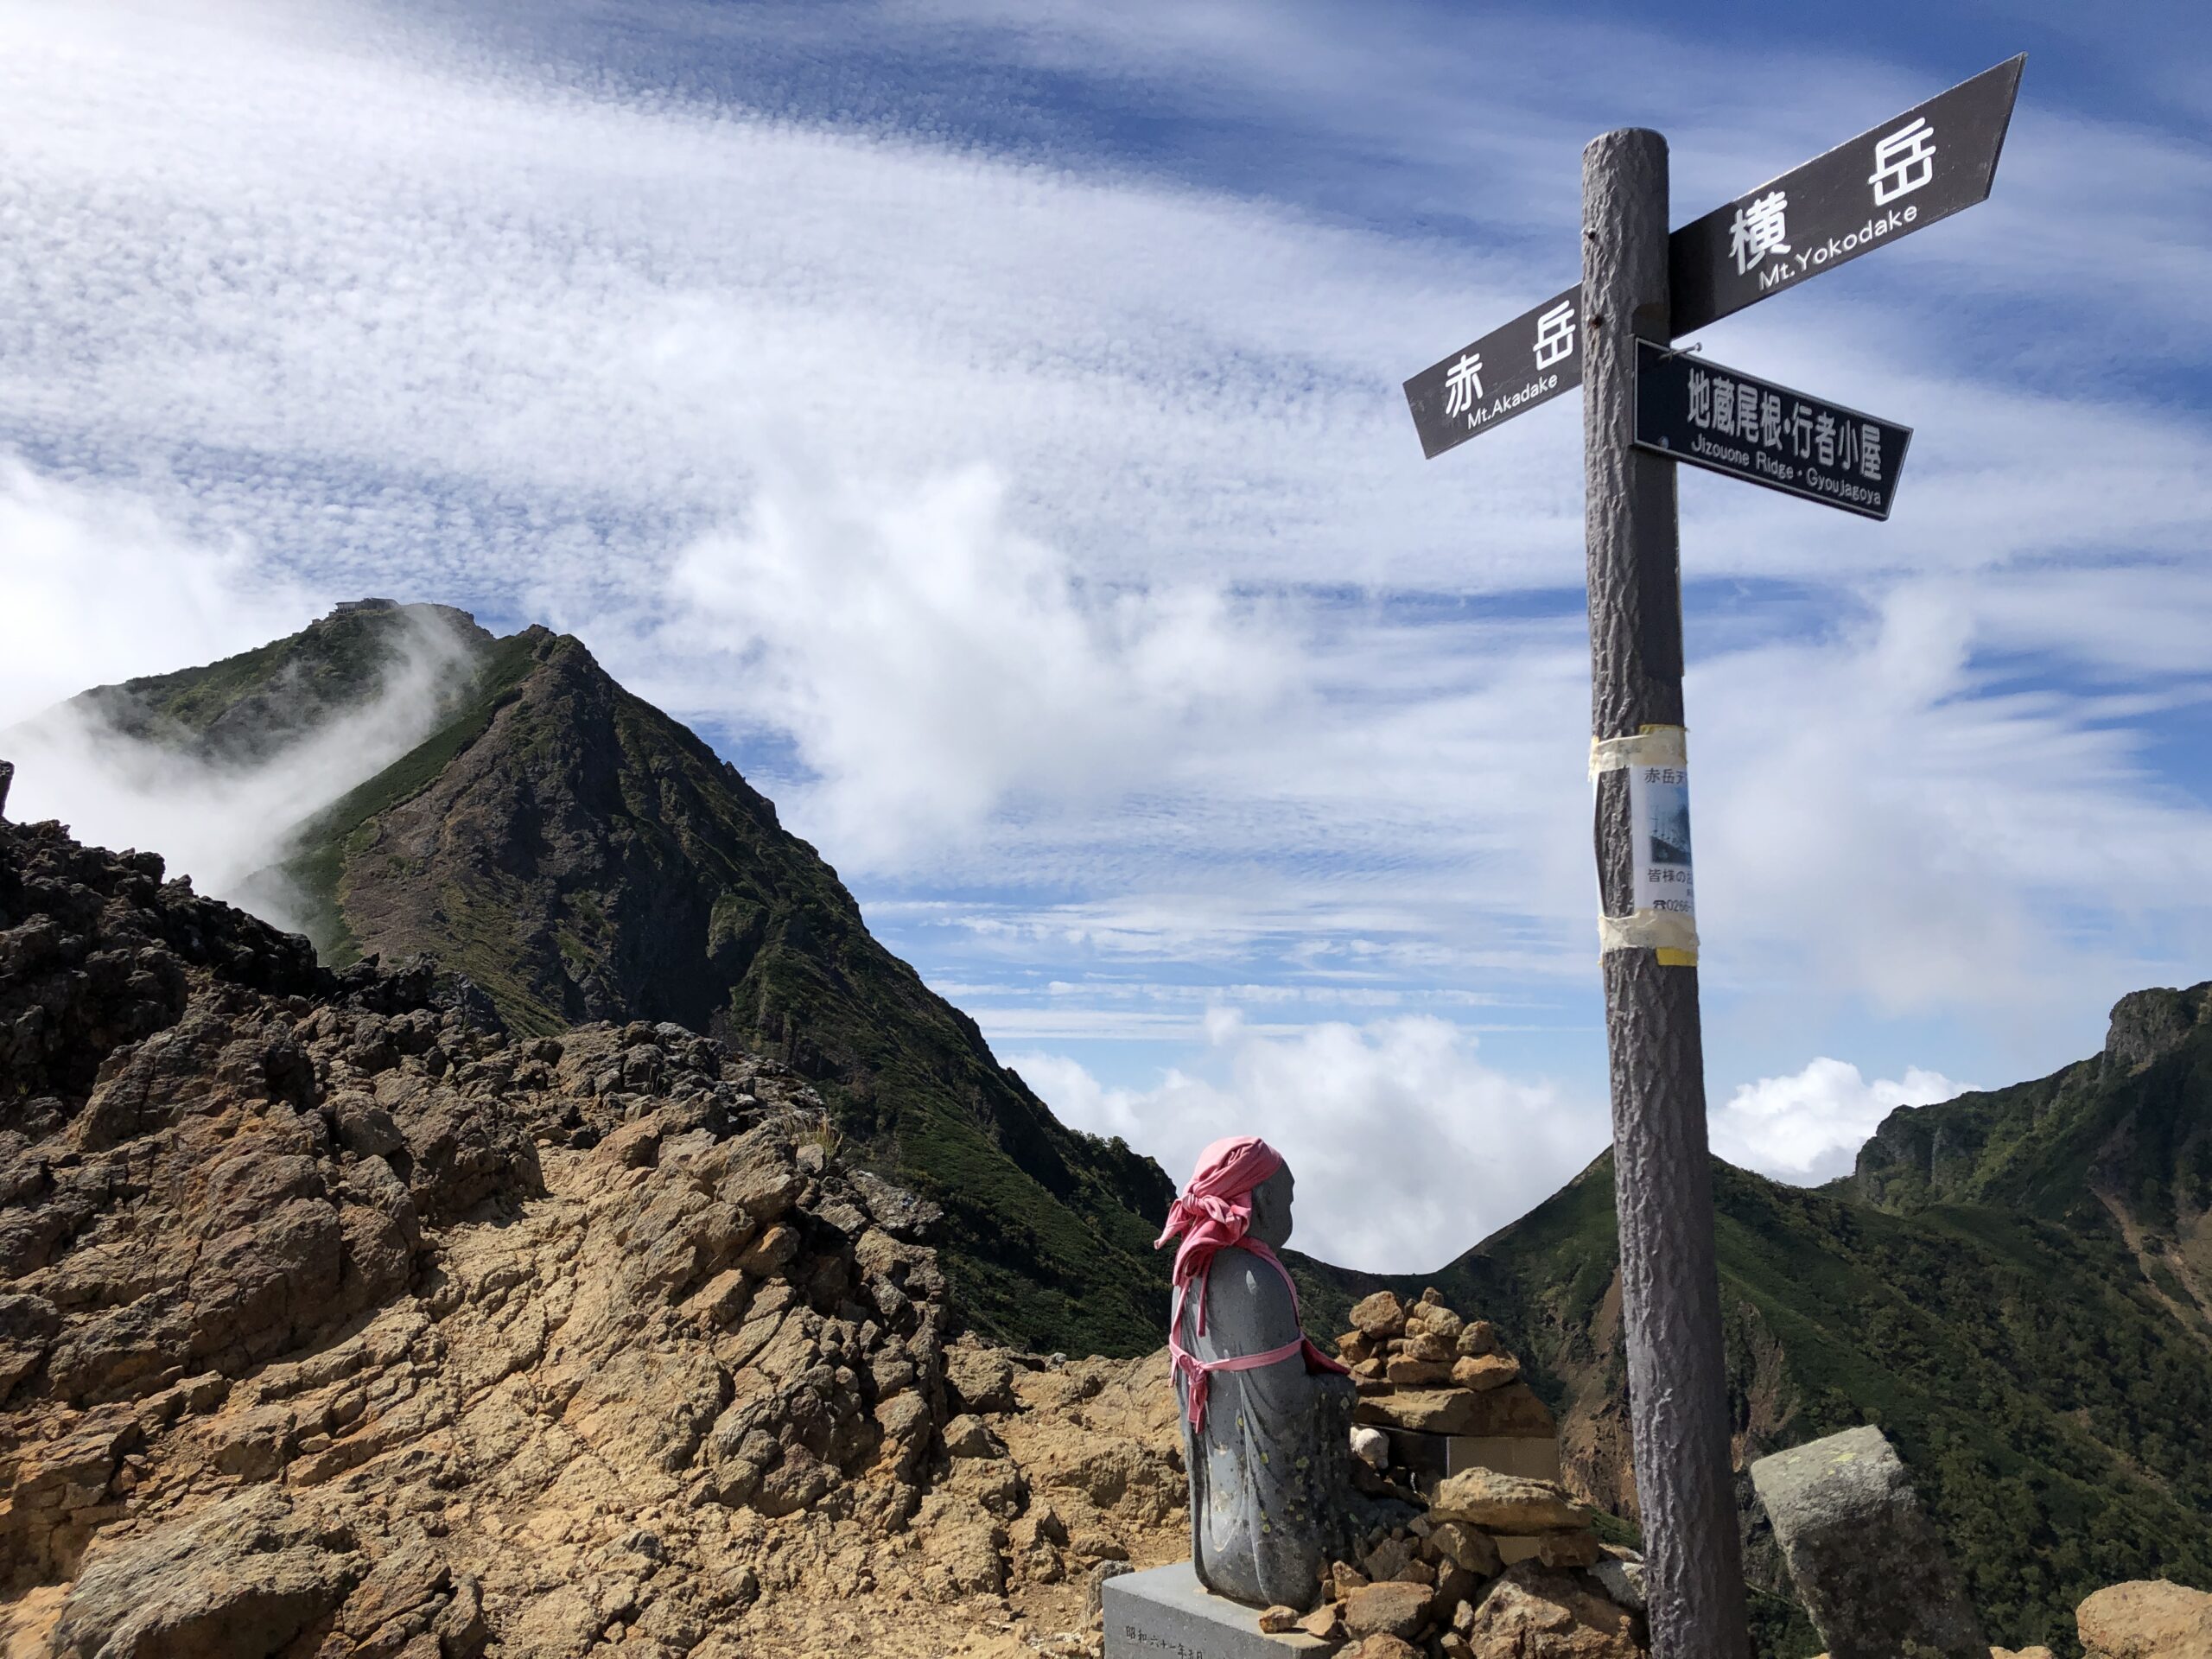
<point>580,857</point>
<point>334,1322</point>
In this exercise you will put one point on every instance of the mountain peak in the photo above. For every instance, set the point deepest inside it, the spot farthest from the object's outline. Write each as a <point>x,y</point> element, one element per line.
<point>2147,1026</point>
<point>579,855</point>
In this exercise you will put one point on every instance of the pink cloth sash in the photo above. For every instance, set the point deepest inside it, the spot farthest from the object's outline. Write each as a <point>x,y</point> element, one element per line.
<point>1212,1214</point>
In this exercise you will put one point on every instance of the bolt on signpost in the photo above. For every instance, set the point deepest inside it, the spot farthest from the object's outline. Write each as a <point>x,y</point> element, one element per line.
<point>1647,406</point>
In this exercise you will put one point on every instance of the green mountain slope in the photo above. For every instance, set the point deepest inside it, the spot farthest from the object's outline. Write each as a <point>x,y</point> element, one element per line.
<point>579,855</point>
<point>2051,1392</point>
<point>247,708</point>
<point>2118,1146</point>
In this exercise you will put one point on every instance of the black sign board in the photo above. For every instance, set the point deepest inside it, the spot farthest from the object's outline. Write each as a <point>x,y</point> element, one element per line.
<point>1933,161</point>
<point>1508,371</point>
<point>1729,421</point>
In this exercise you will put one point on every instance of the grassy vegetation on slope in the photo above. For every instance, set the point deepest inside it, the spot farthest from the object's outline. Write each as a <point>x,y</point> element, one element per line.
<point>2056,1418</point>
<point>246,708</point>
<point>2119,1146</point>
<point>579,855</point>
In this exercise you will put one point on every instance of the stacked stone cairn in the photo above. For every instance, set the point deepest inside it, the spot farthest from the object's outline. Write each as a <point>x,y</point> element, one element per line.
<point>1500,1561</point>
<point>1443,1397</point>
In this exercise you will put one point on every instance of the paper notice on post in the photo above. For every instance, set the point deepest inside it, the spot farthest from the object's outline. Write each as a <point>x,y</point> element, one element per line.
<point>1659,812</point>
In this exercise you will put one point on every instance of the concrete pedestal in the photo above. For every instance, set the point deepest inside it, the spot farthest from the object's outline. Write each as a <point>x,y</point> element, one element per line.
<point>1165,1613</point>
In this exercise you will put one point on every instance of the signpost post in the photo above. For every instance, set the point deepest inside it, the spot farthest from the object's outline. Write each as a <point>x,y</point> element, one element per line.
<point>1645,407</point>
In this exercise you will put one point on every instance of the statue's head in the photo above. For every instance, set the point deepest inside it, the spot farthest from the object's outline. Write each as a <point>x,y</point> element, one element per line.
<point>1271,1210</point>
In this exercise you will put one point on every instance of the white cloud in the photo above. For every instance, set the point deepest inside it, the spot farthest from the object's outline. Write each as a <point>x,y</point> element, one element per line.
<point>1882,816</point>
<point>223,823</point>
<point>1807,1126</point>
<point>1409,1148</point>
<point>935,664</point>
<point>99,588</point>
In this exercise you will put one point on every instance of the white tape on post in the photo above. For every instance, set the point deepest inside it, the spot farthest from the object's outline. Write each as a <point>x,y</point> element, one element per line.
<point>1662,891</point>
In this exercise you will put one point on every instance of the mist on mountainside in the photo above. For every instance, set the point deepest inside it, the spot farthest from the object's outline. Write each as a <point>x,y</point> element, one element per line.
<point>222,802</point>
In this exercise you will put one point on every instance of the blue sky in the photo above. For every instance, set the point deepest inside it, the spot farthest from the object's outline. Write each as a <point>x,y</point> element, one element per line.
<point>982,421</point>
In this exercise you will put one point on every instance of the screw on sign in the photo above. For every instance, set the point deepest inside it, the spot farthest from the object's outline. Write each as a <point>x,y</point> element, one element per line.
<point>1640,290</point>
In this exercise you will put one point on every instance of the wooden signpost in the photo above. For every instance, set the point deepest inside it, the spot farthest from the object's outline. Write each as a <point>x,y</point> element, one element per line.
<point>1640,290</point>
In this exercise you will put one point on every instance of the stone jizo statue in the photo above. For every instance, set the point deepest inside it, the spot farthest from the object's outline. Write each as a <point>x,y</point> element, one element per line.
<point>1267,1415</point>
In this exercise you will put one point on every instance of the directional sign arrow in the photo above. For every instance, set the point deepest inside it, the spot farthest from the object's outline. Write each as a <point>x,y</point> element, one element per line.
<point>1933,161</point>
<point>1508,371</point>
<point>1693,410</point>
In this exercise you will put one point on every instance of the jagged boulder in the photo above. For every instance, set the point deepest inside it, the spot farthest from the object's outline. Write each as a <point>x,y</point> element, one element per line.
<point>242,1580</point>
<point>2148,1619</point>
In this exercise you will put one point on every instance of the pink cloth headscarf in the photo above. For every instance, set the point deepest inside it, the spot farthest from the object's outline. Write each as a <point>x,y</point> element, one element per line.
<point>1216,1208</point>
<point>1214,1212</point>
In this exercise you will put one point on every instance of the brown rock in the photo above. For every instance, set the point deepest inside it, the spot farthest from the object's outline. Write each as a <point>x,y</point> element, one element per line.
<point>1433,1348</point>
<point>1409,1372</point>
<point>1278,1620</point>
<point>770,1252</point>
<point>982,1379</point>
<point>1485,1371</point>
<point>1442,1324</point>
<point>1455,1588</point>
<point>476,1307</point>
<point>1353,1346</point>
<point>1388,1558</point>
<point>1513,1412</point>
<point>1380,1315</point>
<point>1534,1613</point>
<point>1496,1503</point>
<point>1344,1579</point>
<point>1391,1608</point>
<point>1382,1645</point>
<point>1094,1593</point>
<point>967,1556</point>
<point>969,1436</point>
<point>2149,1618</point>
<point>244,1576</point>
<point>1479,1337</point>
<point>1569,1549</point>
<point>1325,1623</point>
<point>1433,1411</point>
<point>398,1599</point>
<point>1465,1547</point>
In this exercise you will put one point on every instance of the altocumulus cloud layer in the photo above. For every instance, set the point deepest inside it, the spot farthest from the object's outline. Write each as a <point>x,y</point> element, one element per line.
<point>1034,513</point>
